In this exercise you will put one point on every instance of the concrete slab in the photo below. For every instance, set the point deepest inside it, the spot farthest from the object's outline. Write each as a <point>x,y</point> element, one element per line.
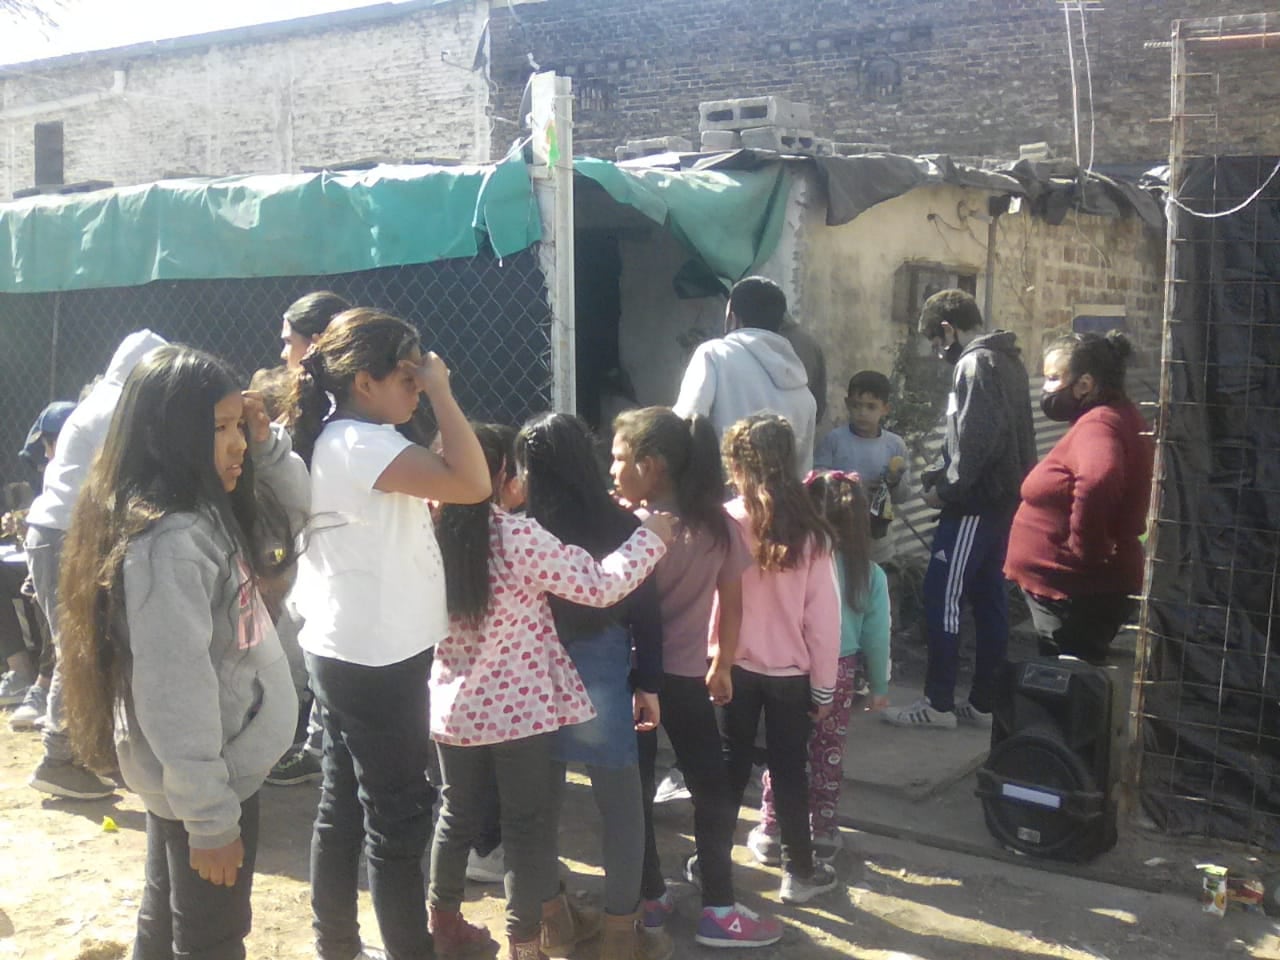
<point>908,763</point>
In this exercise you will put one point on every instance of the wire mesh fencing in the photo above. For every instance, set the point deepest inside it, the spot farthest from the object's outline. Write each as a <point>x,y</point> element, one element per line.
<point>487,318</point>
<point>1208,705</point>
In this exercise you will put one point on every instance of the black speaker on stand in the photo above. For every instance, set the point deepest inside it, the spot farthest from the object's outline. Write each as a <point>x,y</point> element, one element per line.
<point>1048,786</point>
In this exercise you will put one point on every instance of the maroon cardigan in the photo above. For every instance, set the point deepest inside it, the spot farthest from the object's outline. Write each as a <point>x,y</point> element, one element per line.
<point>1084,506</point>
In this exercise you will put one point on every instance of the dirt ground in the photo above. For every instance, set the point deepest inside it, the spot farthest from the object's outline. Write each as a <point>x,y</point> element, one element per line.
<point>69,889</point>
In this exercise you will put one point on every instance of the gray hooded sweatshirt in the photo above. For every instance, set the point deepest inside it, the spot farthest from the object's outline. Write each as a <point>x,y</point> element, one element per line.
<point>746,372</point>
<point>84,433</point>
<point>212,706</point>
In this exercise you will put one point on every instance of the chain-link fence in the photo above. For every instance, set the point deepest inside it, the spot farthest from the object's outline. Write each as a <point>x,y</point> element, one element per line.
<point>488,318</point>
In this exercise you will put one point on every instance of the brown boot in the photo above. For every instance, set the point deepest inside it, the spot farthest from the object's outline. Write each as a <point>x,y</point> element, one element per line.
<point>627,938</point>
<point>455,939</point>
<point>524,949</point>
<point>565,924</point>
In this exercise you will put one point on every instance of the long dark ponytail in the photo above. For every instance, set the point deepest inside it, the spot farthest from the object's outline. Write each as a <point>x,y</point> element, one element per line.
<point>355,340</point>
<point>462,530</point>
<point>691,452</point>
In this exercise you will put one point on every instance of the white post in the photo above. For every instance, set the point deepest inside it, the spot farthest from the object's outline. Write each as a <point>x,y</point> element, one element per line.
<point>552,102</point>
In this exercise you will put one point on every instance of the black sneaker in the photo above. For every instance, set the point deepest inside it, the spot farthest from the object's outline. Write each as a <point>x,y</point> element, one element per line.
<point>294,768</point>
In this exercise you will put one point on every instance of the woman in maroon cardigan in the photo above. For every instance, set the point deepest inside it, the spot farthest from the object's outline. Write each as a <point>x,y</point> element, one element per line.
<point>1074,548</point>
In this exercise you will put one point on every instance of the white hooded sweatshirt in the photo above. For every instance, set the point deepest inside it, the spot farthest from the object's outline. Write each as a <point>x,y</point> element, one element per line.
<point>750,371</point>
<point>84,433</point>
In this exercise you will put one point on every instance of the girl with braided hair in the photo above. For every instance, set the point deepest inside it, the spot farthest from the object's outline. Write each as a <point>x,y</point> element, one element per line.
<point>789,640</point>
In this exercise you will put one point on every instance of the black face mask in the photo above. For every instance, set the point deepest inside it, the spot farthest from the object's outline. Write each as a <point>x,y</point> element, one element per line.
<point>951,353</point>
<point>1062,405</point>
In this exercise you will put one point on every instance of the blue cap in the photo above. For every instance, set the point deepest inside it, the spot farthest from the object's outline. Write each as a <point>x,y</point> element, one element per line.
<point>50,422</point>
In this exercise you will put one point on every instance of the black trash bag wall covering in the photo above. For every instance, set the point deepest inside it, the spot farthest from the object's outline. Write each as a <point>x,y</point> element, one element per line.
<point>1211,709</point>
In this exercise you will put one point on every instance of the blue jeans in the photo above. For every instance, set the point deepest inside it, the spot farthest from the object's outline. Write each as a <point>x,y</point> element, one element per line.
<point>966,563</point>
<point>375,794</point>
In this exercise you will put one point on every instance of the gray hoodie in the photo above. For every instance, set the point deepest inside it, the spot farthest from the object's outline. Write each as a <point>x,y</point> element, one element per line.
<point>212,705</point>
<point>746,372</point>
<point>991,442</point>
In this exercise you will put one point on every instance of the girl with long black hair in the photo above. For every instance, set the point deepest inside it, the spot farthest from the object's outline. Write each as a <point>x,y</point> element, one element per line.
<point>568,495</point>
<point>502,686</point>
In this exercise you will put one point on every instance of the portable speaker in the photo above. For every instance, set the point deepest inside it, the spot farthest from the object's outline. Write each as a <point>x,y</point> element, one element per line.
<point>1048,784</point>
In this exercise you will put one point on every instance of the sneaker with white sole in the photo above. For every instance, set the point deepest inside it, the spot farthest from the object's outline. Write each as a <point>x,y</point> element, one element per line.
<point>31,710</point>
<point>13,687</point>
<point>654,912</point>
<point>672,788</point>
<point>920,715</point>
<point>739,927</point>
<point>798,889</point>
<point>491,868</point>
<point>764,846</point>
<point>827,846</point>
<point>966,712</point>
<point>69,780</point>
<point>693,872</point>
<point>300,766</point>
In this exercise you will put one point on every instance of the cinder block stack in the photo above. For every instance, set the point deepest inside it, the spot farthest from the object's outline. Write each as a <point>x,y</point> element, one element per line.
<point>760,123</point>
<point>634,149</point>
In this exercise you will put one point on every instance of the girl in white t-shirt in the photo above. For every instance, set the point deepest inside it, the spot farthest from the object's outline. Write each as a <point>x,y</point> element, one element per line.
<point>371,594</point>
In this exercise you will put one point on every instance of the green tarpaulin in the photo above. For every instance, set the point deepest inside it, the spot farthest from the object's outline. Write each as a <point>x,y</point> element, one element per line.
<point>732,219</point>
<point>326,223</point>
<point>264,226</point>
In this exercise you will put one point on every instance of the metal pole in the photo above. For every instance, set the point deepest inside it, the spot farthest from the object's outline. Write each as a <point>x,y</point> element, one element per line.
<point>564,339</point>
<point>1177,152</point>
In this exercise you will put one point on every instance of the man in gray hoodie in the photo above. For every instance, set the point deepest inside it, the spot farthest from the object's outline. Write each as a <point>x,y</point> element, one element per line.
<point>990,446</point>
<point>751,369</point>
<point>79,442</point>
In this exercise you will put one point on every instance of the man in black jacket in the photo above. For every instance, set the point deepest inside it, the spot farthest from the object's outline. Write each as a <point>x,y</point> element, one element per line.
<point>989,447</point>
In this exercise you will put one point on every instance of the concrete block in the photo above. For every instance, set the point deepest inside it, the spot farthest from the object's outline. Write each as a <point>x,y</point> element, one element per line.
<point>859,149</point>
<point>714,141</point>
<point>655,145</point>
<point>624,153</point>
<point>1034,151</point>
<point>750,112</point>
<point>780,139</point>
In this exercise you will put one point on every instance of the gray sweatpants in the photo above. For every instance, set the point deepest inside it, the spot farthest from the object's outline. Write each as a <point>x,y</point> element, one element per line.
<point>44,552</point>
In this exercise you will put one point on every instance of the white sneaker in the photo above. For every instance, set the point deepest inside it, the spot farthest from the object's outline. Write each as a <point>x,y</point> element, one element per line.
<point>797,889</point>
<point>488,869</point>
<point>766,848</point>
<point>31,710</point>
<point>13,687</point>
<point>966,712</point>
<point>920,714</point>
<point>672,788</point>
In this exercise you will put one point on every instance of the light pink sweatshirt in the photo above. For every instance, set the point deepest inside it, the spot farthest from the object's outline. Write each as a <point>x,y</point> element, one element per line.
<point>790,619</point>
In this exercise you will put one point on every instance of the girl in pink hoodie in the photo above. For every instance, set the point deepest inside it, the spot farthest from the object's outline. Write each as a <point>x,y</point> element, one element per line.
<point>789,641</point>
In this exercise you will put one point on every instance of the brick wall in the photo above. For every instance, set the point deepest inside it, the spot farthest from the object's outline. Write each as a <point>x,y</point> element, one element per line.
<point>976,77</point>
<point>329,90</point>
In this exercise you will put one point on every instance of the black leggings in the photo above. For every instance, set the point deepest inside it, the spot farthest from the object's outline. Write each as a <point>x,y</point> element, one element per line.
<point>784,701</point>
<point>690,722</point>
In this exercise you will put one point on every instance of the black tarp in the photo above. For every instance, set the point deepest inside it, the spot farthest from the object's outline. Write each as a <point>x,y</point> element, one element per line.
<point>1211,704</point>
